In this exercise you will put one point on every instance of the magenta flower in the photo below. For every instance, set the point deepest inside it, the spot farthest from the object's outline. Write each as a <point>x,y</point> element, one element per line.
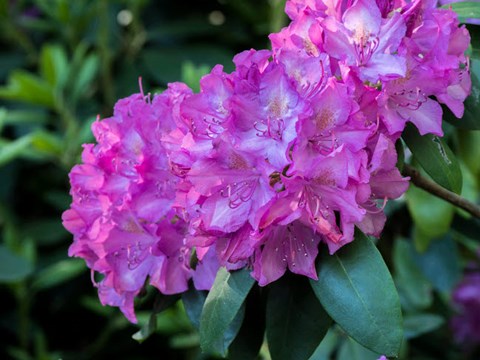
<point>121,216</point>
<point>366,42</point>
<point>294,246</point>
<point>292,149</point>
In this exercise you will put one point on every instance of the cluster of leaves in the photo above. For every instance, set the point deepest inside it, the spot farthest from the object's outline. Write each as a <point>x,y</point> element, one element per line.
<point>63,62</point>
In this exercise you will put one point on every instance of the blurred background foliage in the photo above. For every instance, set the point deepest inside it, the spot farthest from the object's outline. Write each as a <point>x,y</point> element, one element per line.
<point>64,62</point>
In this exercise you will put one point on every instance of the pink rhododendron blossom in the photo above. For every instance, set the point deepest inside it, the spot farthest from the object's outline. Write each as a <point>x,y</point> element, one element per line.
<point>294,148</point>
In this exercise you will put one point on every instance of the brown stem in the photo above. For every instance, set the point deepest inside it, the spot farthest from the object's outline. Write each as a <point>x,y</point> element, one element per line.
<point>439,191</point>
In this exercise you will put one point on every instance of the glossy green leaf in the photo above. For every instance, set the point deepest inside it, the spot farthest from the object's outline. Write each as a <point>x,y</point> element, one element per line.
<point>222,305</point>
<point>432,216</point>
<point>296,321</point>
<point>12,266</point>
<point>328,345</point>
<point>435,157</point>
<point>465,10</point>
<point>471,116</point>
<point>351,350</point>
<point>419,324</point>
<point>58,273</point>
<point>249,339</point>
<point>357,290</point>
<point>193,302</point>
<point>414,289</point>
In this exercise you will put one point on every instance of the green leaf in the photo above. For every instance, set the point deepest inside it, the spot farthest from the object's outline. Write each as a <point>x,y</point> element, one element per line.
<point>419,324</point>
<point>327,346</point>
<point>440,263</point>
<point>84,76</point>
<point>296,321</point>
<point>357,290</point>
<point>221,307</point>
<point>414,289</point>
<point>13,267</point>
<point>26,87</point>
<point>465,10</point>
<point>47,143</point>
<point>471,116</point>
<point>192,74</point>
<point>146,330</point>
<point>16,117</point>
<point>58,273</point>
<point>432,216</point>
<point>351,350</point>
<point>9,151</point>
<point>249,339</point>
<point>435,157</point>
<point>54,65</point>
<point>193,301</point>
<point>399,147</point>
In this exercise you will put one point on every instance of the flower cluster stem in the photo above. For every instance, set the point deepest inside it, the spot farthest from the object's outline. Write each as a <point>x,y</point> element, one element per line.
<point>439,191</point>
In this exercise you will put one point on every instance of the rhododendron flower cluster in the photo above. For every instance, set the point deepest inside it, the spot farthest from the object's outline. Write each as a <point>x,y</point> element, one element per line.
<point>293,148</point>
